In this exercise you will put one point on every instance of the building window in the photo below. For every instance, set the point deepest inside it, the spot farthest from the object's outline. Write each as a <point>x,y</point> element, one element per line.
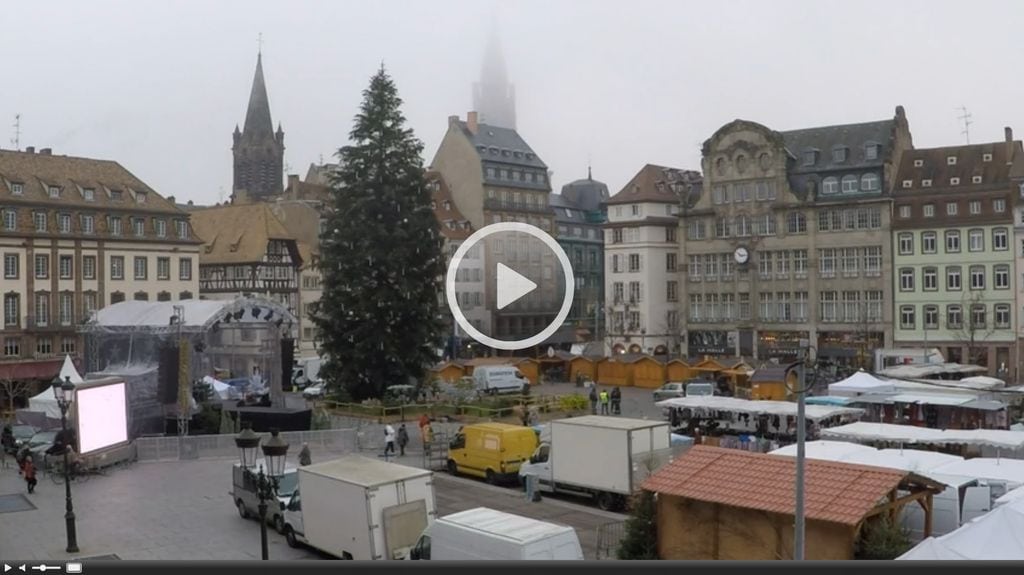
<point>974,206</point>
<point>976,241</point>
<point>1002,313</point>
<point>871,152</point>
<point>139,227</point>
<point>1000,239</point>
<point>670,234</point>
<point>870,182</point>
<point>827,303</point>
<point>66,308</point>
<point>635,292</point>
<point>930,279</point>
<point>695,230</point>
<point>907,319</point>
<point>89,194</point>
<point>670,262</point>
<point>17,188</point>
<point>116,268</point>
<point>978,319</point>
<point>928,242</point>
<point>161,228</point>
<point>952,241</point>
<point>142,296</point>
<point>849,184</point>
<point>12,310</point>
<point>906,244</point>
<point>12,347</point>
<point>10,220</point>
<point>1001,273</point>
<point>951,208</point>
<point>954,316</point>
<point>89,303</point>
<point>839,154</point>
<point>64,223</point>
<point>66,267</point>
<point>42,309</point>
<point>115,226</point>
<point>42,266</point>
<point>54,192</point>
<point>67,345</point>
<point>767,311</point>
<point>953,280</point>
<point>796,223</point>
<point>185,295</point>
<point>635,209</point>
<point>672,291</point>
<point>163,268</point>
<point>873,261</point>
<point>12,265</point>
<point>141,267</point>
<point>950,160</point>
<point>999,206</point>
<point>929,210</point>
<point>39,218</point>
<point>44,345</point>
<point>931,317</point>
<point>827,262</point>
<point>116,297</point>
<point>88,224</point>
<point>181,229</point>
<point>904,212</point>
<point>166,296</point>
<point>810,157</point>
<point>907,279</point>
<point>908,184</point>
<point>634,262</point>
<point>977,277</point>
<point>830,185</point>
<point>89,267</point>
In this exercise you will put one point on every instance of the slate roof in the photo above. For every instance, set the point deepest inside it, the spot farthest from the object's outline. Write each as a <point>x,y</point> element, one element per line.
<point>586,193</point>
<point>970,162</point>
<point>235,234</point>
<point>495,141</point>
<point>768,374</point>
<point>836,492</point>
<point>854,137</point>
<point>652,184</point>
<point>37,172</point>
<point>453,225</point>
<point>257,117</point>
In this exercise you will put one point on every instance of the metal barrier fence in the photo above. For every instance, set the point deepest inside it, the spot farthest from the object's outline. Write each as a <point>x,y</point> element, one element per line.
<point>609,537</point>
<point>201,446</point>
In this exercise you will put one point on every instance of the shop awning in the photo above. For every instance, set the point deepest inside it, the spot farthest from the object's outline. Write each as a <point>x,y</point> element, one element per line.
<point>42,370</point>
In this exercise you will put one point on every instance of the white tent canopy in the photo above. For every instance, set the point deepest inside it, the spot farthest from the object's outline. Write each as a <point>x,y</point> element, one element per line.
<point>711,403</point>
<point>863,432</point>
<point>199,315</point>
<point>860,383</point>
<point>997,535</point>
<point>46,402</point>
<point>223,390</point>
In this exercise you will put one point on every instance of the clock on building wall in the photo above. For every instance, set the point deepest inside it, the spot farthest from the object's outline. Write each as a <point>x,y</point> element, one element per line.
<point>742,255</point>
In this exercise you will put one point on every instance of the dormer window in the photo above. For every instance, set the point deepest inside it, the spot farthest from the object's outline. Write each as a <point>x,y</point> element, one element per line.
<point>950,160</point>
<point>926,183</point>
<point>89,194</point>
<point>493,150</point>
<point>518,154</point>
<point>986,157</point>
<point>954,181</point>
<point>908,183</point>
<point>17,188</point>
<point>505,153</point>
<point>482,149</point>
<point>839,154</point>
<point>447,205</point>
<point>529,156</point>
<point>140,197</point>
<point>181,227</point>
<point>975,179</point>
<point>54,192</point>
<point>810,157</point>
<point>918,163</point>
<point>871,152</point>
<point>116,195</point>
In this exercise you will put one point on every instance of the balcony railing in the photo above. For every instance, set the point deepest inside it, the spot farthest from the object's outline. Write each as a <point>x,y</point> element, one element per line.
<point>510,206</point>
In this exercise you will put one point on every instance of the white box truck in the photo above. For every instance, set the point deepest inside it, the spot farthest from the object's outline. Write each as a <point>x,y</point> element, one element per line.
<point>485,534</point>
<point>306,371</point>
<point>493,379</point>
<point>360,508</point>
<point>598,456</point>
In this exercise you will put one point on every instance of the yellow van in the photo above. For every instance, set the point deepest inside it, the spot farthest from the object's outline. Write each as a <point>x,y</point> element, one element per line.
<point>493,451</point>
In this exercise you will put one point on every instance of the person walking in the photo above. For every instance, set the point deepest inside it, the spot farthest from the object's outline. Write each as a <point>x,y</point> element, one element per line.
<point>29,471</point>
<point>428,436</point>
<point>389,439</point>
<point>604,402</point>
<point>616,401</point>
<point>593,400</point>
<point>305,458</point>
<point>403,439</point>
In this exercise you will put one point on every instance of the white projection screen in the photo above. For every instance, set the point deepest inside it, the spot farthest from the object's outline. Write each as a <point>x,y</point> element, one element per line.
<point>102,410</point>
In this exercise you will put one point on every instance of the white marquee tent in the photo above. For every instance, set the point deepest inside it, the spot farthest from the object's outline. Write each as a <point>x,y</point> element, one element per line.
<point>46,402</point>
<point>860,383</point>
<point>995,536</point>
<point>864,432</point>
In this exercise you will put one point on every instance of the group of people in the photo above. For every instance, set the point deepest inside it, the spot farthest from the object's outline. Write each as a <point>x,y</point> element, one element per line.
<point>611,402</point>
<point>400,437</point>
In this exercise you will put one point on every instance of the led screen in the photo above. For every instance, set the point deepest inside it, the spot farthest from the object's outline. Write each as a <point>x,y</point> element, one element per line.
<point>102,417</point>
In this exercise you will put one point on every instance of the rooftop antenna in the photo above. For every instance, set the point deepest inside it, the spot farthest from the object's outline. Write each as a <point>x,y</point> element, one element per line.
<point>220,195</point>
<point>321,159</point>
<point>589,176</point>
<point>259,43</point>
<point>965,117</point>
<point>16,140</point>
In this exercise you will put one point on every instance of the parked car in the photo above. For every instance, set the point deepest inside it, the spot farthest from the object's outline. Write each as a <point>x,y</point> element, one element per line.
<point>315,391</point>
<point>40,443</point>
<point>670,390</point>
<point>243,492</point>
<point>23,433</point>
<point>405,393</point>
<point>493,379</point>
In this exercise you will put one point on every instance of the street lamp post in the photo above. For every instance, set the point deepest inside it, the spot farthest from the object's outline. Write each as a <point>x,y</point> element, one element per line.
<point>64,392</point>
<point>275,452</point>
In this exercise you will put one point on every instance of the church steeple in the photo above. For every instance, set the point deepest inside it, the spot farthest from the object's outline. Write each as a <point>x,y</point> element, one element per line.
<point>494,96</point>
<point>258,149</point>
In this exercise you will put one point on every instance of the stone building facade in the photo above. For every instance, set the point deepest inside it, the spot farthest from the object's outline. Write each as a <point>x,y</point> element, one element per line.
<point>579,215</point>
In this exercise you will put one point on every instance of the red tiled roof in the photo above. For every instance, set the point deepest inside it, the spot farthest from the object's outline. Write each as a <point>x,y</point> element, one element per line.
<point>836,492</point>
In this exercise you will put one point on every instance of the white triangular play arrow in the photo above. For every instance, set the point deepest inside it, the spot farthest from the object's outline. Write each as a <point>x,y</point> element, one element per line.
<point>512,285</point>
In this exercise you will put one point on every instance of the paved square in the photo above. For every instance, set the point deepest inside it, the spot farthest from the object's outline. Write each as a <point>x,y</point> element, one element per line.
<point>15,502</point>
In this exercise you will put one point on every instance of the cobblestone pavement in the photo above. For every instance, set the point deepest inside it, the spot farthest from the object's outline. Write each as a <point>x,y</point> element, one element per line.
<point>182,510</point>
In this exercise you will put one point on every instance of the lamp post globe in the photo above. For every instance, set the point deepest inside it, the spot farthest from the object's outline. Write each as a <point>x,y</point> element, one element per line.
<point>247,443</point>
<point>275,454</point>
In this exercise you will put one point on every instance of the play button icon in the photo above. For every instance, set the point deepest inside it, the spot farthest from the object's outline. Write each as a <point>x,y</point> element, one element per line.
<point>512,285</point>
<point>509,285</point>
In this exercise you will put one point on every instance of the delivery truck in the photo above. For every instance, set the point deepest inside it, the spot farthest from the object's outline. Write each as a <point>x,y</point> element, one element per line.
<point>597,456</point>
<point>360,508</point>
<point>485,534</point>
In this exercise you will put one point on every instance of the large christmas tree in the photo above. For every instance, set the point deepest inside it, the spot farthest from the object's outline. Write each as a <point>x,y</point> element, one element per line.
<point>381,255</point>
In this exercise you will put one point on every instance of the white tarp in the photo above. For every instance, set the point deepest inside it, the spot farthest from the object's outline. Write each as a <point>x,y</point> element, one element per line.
<point>826,450</point>
<point>223,390</point>
<point>990,468</point>
<point>926,463</point>
<point>710,403</point>
<point>995,536</point>
<point>859,383</point>
<point>862,431</point>
<point>46,402</point>
<point>1012,495</point>
<point>198,314</point>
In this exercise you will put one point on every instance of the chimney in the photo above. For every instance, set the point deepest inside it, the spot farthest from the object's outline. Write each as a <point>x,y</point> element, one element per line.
<point>471,122</point>
<point>30,150</point>
<point>293,181</point>
<point>452,120</point>
<point>1009,145</point>
<point>171,199</point>
<point>46,152</point>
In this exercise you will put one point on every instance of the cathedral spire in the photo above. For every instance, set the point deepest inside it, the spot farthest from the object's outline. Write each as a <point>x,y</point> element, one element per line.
<point>494,95</point>
<point>258,149</point>
<point>257,117</point>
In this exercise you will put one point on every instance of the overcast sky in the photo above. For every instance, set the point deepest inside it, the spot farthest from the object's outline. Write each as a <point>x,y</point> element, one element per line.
<point>159,85</point>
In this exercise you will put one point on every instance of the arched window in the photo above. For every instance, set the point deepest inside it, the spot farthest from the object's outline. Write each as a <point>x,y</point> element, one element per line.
<point>830,186</point>
<point>869,182</point>
<point>849,184</point>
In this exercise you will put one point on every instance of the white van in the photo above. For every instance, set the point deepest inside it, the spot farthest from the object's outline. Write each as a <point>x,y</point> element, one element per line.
<point>485,534</point>
<point>499,379</point>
